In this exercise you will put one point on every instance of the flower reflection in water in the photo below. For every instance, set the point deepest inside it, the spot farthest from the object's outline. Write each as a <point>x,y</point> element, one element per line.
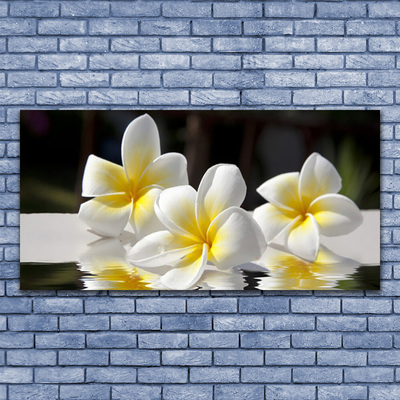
<point>288,272</point>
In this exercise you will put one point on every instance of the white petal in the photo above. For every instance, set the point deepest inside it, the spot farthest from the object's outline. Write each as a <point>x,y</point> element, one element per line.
<point>159,249</point>
<point>188,271</point>
<point>303,238</point>
<point>271,220</point>
<point>107,215</point>
<point>317,177</point>
<point>143,218</point>
<point>336,214</point>
<point>166,171</point>
<point>175,208</point>
<point>102,177</point>
<point>282,191</point>
<point>235,238</point>
<point>221,187</point>
<point>140,146</point>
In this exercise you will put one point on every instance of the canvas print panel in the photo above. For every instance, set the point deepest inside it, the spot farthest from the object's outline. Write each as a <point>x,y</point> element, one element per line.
<point>200,200</point>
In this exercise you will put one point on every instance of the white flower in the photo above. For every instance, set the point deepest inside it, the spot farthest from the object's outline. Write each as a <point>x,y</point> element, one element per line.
<point>305,205</point>
<point>203,226</point>
<point>127,193</point>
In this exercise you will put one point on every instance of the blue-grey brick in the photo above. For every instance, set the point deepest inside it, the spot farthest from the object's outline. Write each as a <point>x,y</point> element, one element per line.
<point>109,96</point>
<point>83,357</point>
<point>341,45</point>
<point>238,357</point>
<point>216,27</point>
<point>320,96</point>
<point>386,272</point>
<point>32,322</point>
<point>136,392</point>
<point>61,27</point>
<point>111,340</point>
<point>3,320</point>
<point>14,340</point>
<point>384,357</point>
<point>318,27</point>
<point>162,375</point>
<point>33,392</point>
<point>288,10</point>
<point>164,61</point>
<point>235,392</point>
<point>11,254</point>
<point>342,358</point>
<point>268,27</point>
<point>345,10</point>
<point>270,305</point>
<point>109,305</point>
<point>34,9</point>
<point>87,392</point>
<point>214,340</point>
<point>365,27</point>
<point>320,340</point>
<point>135,357</point>
<point>8,201</point>
<point>237,45</point>
<point>60,340</point>
<point>83,44</point>
<point>10,270</point>
<point>186,357</point>
<point>388,254</point>
<point>84,322</point>
<point>262,340</point>
<point>16,375</point>
<point>113,61</point>
<point>57,97</point>
<point>111,375</point>
<point>136,79</point>
<point>135,322</point>
<point>215,97</point>
<point>289,357</point>
<point>367,340</point>
<point>382,10</point>
<point>342,78</point>
<point>381,392</point>
<point>164,27</point>
<point>186,10</point>
<point>391,149</point>
<point>187,323</point>
<point>113,26</point>
<point>263,96</point>
<point>317,375</point>
<point>164,306</point>
<point>239,80</point>
<point>396,275</point>
<point>57,306</point>
<point>341,323</point>
<point>267,61</point>
<point>129,9</point>
<point>184,392</point>
<point>85,9</point>
<point>289,79</point>
<point>15,306</point>
<point>163,340</point>
<point>32,45</point>
<point>370,61</point>
<point>3,9</point>
<point>194,45</point>
<point>59,375</point>
<point>368,97</point>
<point>384,78</point>
<point>83,79</point>
<point>240,323</point>
<point>62,61</point>
<point>212,305</point>
<point>289,45</point>
<point>34,79</point>
<point>387,44</point>
<point>215,62</point>
<point>386,238</point>
<point>345,392</point>
<point>214,375</point>
<point>289,323</point>
<point>386,323</point>
<point>326,306</point>
<point>3,150</point>
<point>31,357</point>
<point>17,61</point>
<point>368,374</point>
<point>158,98</point>
<point>19,26</point>
<point>135,44</point>
<point>187,79</point>
<point>263,375</point>
<point>366,306</point>
<point>290,392</point>
<point>238,10</point>
<point>319,61</point>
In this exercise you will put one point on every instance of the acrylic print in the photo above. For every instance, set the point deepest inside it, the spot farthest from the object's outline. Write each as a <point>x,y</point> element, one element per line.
<point>200,200</point>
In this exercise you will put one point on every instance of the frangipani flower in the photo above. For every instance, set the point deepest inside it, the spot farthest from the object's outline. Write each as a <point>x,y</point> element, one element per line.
<point>203,226</point>
<point>305,205</point>
<point>127,193</point>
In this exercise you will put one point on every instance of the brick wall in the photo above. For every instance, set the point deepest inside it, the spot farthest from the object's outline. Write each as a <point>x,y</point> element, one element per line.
<point>183,54</point>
